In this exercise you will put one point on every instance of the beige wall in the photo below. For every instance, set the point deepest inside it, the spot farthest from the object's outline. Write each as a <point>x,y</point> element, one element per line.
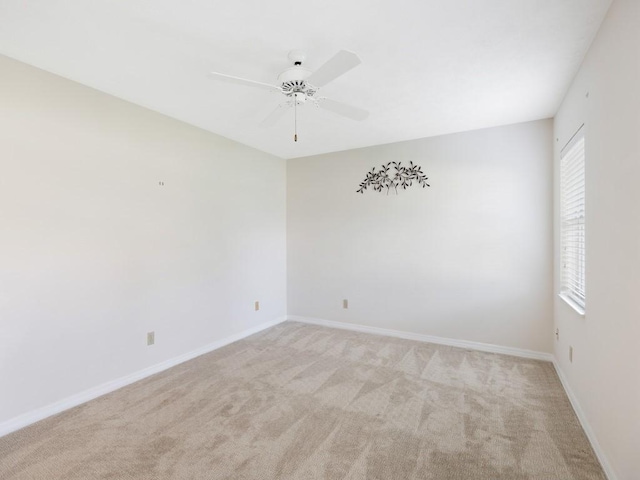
<point>469,258</point>
<point>605,372</point>
<point>94,253</point>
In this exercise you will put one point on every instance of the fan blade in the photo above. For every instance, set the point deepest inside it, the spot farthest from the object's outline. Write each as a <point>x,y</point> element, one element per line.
<point>243,81</point>
<point>274,116</point>
<point>343,109</point>
<point>341,63</point>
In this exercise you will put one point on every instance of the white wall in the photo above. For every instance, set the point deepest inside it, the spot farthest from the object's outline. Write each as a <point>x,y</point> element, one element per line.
<point>94,253</point>
<point>468,258</point>
<point>605,373</point>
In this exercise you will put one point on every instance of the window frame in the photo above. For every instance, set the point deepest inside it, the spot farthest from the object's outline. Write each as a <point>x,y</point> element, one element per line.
<point>573,222</point>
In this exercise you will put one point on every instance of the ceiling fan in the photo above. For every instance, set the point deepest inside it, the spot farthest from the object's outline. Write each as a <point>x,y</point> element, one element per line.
<point>299,85</point>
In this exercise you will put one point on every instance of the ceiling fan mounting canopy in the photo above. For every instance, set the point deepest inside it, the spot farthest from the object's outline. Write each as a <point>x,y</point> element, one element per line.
<point>297,57</point>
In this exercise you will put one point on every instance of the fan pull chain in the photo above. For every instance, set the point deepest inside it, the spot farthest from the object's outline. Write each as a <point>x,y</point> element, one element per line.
<point>295,118</point>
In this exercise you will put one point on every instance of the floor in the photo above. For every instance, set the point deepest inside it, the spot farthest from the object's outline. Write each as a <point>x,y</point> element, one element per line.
<point>299,401</point>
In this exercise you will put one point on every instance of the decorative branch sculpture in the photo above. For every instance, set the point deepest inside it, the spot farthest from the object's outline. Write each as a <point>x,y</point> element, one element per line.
<point>404,177</point>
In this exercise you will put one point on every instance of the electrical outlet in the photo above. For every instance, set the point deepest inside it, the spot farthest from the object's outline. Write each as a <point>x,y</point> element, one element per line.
<point>345,303</point>
<point>151,338</point>
<point>571,354</point>
<point>257,306</point>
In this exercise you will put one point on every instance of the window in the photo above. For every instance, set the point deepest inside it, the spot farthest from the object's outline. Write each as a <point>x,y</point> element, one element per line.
<point>572,222</point>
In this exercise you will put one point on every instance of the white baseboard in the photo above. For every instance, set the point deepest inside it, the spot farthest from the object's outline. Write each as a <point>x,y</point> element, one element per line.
<point>586,426</point>
<point>484,347</point>
<point>41,413</point>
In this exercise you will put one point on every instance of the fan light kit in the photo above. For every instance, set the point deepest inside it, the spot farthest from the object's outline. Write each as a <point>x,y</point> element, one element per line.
<point>300,85</point>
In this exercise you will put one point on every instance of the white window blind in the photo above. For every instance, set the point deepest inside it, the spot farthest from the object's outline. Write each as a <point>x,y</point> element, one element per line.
<point>572,218</point>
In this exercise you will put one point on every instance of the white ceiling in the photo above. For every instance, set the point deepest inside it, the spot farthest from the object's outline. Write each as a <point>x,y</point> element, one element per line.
<point>430,67</point>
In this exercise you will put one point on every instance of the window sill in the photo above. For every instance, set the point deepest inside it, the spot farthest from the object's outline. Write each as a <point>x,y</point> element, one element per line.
<point>579,310</point>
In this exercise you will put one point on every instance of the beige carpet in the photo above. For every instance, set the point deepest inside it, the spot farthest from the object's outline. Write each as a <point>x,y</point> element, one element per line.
<point>306,402</point>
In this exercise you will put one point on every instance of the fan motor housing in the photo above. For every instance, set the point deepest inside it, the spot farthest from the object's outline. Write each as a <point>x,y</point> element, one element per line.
<point>293,74</point>
<point>293,81</point>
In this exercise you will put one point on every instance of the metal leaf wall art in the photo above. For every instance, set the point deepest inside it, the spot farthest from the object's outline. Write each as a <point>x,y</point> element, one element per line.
<point>384,180</point>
